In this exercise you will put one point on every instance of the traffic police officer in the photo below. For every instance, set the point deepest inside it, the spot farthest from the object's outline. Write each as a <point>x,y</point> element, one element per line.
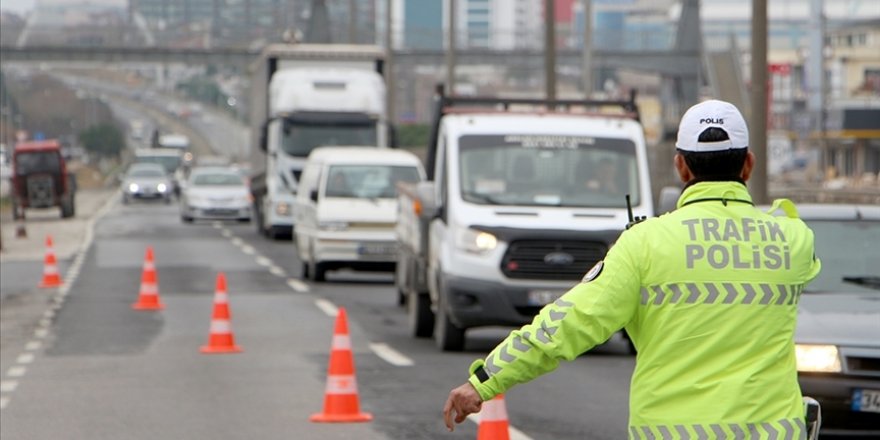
<point>708,293</point>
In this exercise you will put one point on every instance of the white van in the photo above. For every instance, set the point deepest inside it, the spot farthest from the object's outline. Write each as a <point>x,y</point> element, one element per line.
<point>346,208</point>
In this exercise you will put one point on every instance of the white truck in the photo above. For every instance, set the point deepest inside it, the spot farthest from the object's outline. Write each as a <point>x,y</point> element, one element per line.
<point>523,197</point>
<point>305,96</point>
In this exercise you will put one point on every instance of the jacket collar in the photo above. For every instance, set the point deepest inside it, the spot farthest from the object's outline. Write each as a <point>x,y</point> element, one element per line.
<point>715,191</point>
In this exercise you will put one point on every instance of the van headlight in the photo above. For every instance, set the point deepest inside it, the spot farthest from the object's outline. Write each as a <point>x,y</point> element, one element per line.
<point>333,226</point>
<point>133,187</point>
<point>817,358</point>
<point>476,242</point>
<point>161,187</point>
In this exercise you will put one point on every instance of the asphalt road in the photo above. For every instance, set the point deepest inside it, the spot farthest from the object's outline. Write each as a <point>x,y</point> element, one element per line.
<point>107,371</point>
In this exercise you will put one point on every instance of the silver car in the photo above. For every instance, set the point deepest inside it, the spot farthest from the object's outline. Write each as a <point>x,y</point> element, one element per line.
<point>216,193</point>
<point>146,181</point>
<point>838,331</point>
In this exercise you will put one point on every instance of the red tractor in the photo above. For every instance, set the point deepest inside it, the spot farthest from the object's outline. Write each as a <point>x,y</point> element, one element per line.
<point>40,178</point>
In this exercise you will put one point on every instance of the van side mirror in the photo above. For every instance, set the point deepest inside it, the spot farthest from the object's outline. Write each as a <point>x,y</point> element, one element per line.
<point>668,199</point>
<point>313,195</point>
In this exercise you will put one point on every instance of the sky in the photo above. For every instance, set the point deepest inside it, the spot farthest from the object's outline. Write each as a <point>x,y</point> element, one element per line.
<point>17,6</point>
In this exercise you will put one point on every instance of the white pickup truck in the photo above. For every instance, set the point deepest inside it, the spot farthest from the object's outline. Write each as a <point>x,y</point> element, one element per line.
<point>522,198</point>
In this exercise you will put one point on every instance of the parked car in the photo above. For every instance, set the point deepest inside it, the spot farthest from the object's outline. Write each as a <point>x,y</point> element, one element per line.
<point>838,332</point>
<point>217,193</point>
<point>146,181</point>
<point>346,208</point>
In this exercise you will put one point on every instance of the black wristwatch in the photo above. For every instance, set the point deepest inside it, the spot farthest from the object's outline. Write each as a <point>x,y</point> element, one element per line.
<point>478,370</point>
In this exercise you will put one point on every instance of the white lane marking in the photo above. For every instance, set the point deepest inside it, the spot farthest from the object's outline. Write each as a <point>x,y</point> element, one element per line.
<point>515,434</point>
<point>45,322</point>
<point>235,240</point>
<point>391,355</point>
<point>263,261</point>
<point>327,307</point>
<point>16,371</point>
<point>218,225</point>
<point>277,271</point>
<point>41,333</point>
<point>247,249</point>
<point>49,314</point>
<point>33,345</point>
<point>25,358</point>
<point>4,402</point>
<point>227,233</point>
<point>8,386</point>
<point>297,285</point>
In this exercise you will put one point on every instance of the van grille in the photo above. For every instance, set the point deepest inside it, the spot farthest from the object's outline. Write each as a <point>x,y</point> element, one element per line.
<point>551,259</point>
<point>861,365</point>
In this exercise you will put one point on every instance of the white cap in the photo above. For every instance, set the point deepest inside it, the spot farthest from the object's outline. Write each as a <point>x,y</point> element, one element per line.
<point>712,113</point>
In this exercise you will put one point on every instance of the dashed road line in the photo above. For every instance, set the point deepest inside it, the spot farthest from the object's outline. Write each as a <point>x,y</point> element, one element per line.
<point>249,250</point>
<point>25,358</point>
<point>4,402</point>
<point>217,225</point>
<point>16,371</point>
<point>228,234</point>
<point>277,271</point>
<point>41,333</point>
<point>33,345</point>
<point>263,261</point>
<point>298,285</point>
<point>327,307</point>
<point>391,355</point>
<point>8,386</point>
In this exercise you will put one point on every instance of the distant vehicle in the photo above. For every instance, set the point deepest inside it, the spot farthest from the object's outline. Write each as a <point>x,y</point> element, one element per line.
<point>217,193</point>
<point>346,208</point>
<point>178,141</point>
<point>523,197</point>
<point>171,160</point>
<point>838,327</point>
<point>306,96</point>
<point>146,181</point>
<point>40,179</point>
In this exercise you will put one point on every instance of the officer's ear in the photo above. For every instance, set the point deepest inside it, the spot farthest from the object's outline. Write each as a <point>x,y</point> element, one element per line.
<point>684,172</point>
<point>748,164</point>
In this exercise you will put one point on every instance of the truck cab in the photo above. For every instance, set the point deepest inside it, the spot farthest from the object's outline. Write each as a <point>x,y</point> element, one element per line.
<point>520,205</point>
<point>305,97</point>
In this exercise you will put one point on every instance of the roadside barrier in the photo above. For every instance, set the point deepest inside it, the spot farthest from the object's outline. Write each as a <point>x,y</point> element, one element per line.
<point>51,277</point>
<point>221,339</point>
<point>341,394</point>
<point>148,298</point>
<point>493,420</point>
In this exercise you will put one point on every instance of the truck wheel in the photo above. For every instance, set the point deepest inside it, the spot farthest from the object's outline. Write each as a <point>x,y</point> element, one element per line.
<point>67,208</point>
<point>447,336</point>
<point>305,270</point>
<point>317,272</point>
<point>186,219</point>
<point>421,318</point>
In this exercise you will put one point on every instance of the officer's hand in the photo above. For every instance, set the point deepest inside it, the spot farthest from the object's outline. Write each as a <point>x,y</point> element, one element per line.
<point>462,401</point>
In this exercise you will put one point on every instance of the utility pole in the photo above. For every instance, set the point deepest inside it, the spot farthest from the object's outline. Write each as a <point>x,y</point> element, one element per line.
<point>352,21</point>
<point>758,128</point>
<point>550,48</point>
<point>587,69</point>
<point>450,49</point>
<point>389,64</point>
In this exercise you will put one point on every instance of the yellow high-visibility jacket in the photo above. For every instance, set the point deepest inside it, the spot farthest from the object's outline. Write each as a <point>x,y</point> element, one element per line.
<point>708,293</point>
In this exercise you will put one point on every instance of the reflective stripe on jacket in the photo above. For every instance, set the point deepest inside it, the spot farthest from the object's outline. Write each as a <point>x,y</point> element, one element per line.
<point>708,294</point>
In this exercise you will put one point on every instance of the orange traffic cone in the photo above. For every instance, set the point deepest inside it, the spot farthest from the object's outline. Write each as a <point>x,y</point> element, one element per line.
<point>51,278</point>
<point>220,339</point>
<point>341,395</point>
<point>148,298</point>
<point>493,420</point>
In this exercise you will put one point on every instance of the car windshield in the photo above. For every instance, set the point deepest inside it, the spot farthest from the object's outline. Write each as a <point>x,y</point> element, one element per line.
<point>573,171</point>
<point>846,250</point>
<point>367,181</point>
<point>300,139</point>
<point>44,162</point>
<point>170,163</point>
<point>217,179</point>
<point>146,172</point>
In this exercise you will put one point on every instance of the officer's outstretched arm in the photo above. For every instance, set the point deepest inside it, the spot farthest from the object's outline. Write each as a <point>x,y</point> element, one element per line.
<point>586,316</point>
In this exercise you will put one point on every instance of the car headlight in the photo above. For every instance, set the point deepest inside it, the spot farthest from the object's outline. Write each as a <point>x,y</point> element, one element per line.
<point>817,358</point>
<point>161,187</point>
<point>333,226</point>
<point>476,242</point>
<point>133,187</point>
<point>282,209</point>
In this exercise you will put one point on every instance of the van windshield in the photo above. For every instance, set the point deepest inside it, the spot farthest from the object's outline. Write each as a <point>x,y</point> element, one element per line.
<point>170,163</point>
<point>534,170</point>
<point>367,181</point>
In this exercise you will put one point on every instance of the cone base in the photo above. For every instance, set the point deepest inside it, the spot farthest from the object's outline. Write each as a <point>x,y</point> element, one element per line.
<point>148,306</point>
<point>209,349</point>
<point>341,418</point>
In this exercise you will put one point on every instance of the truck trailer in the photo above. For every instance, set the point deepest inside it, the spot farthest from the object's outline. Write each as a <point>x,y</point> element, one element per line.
<point>305,96</point>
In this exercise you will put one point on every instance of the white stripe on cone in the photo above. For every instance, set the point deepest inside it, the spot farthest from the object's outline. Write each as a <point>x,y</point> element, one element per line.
<point>149,266</point>
<point>149,289</point>
<point>50,269</point>
<point>341,384</point>
<point>221,298</point>
<point>220,326</point>
<point>494,411</point>
<point>341,342</point>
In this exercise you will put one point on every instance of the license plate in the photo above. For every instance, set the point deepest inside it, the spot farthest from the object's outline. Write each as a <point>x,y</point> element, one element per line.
<point>866,400</point>
<point>376,250</point>
<point>543,297</point>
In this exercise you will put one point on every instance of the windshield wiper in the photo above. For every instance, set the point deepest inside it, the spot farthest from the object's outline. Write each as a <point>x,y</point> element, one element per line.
<point>482,197</point>
<point>867,281</point>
